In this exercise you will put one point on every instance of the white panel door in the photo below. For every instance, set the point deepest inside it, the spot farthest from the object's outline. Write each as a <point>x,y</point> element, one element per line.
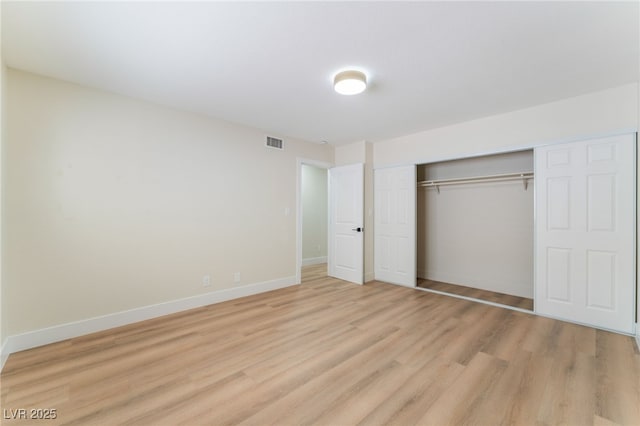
<point>585,232</point>
<point>346,242</point>
<point>395,225</point>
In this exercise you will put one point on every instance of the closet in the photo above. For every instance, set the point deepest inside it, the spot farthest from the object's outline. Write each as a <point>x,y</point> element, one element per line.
<point>475,227</point>
<point>553,228</point>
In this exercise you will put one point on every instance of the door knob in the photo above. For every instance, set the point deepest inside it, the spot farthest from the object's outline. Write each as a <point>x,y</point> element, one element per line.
<point>357,229</point>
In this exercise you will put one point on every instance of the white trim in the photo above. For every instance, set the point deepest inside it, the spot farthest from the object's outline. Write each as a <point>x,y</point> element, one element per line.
<point>4,354</point>
<point>314,260</point>
<point>369,276</point>
<point>638,335</point>
<point>61,332</point>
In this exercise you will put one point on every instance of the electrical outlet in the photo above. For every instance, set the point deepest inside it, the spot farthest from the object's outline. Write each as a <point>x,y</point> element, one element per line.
<point>206,281</point>
<point>236,277</point>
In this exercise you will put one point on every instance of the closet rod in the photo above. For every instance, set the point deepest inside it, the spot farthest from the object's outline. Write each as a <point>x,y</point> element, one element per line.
<point>524,176</point>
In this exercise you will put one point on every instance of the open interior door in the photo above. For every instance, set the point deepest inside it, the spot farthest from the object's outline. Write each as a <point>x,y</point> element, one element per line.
<point>346,219</point>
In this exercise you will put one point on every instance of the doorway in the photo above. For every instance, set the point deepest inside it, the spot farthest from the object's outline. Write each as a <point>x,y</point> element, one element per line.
<point>344,219</point>
<point>312,244</point>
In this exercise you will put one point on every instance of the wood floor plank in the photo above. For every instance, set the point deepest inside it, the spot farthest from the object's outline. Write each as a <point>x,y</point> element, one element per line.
<point>311,401</point>
<point>329,352</point>
<point>408,403</point>
<point>501,402</point>
<point>465,395</point>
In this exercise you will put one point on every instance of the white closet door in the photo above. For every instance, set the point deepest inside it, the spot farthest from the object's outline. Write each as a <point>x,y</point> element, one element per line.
<point>585,232</point>
<point>395,225</point>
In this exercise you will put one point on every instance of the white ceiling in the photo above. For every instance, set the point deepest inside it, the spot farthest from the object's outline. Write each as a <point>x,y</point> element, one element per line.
<point>270,65</point>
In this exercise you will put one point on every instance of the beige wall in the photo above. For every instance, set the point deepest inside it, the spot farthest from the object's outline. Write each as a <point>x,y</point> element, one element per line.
<point>362,152</point>
<point>574,118</point>
<point>114,204</point>
<point>314,212</point>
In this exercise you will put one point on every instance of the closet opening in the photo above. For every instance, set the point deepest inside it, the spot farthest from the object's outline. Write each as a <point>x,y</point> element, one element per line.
<point>475,228</point>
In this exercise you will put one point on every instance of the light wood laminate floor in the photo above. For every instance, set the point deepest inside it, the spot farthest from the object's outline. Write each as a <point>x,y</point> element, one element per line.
<point>331,353</point>
<point>314,272</point>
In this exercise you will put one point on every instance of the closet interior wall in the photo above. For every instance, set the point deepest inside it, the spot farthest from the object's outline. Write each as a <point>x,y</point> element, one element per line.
<point>477,234</point>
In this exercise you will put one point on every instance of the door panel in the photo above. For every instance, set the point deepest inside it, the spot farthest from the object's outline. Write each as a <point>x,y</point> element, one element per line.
<point>601,203</point>
<point>585,232</point>
<point>601,282</point>
<point>395,225</point>
<point>558,210</point>
<point>558,274</point>
<point>346,201</point>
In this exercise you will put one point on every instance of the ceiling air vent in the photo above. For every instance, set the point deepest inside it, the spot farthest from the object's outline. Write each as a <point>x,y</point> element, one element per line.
<point>275,143</point>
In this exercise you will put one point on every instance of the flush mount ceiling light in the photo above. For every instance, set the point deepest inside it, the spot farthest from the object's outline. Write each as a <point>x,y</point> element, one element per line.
<point>350,82</point>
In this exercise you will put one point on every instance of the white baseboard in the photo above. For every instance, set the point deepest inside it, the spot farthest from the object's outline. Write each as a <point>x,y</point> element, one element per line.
<point>61,332</point>
<point>638,335</point>
<point>4,354</point>
<point>314,260</point>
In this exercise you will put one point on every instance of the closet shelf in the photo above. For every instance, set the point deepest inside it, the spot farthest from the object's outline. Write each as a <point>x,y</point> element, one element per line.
<point>523,176</point>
